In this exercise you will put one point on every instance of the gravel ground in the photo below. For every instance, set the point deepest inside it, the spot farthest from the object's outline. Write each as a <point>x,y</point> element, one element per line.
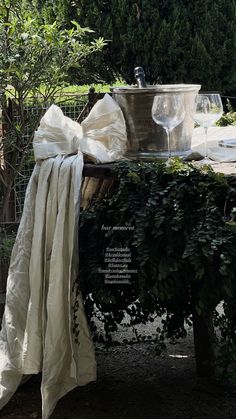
<point>135,383</point>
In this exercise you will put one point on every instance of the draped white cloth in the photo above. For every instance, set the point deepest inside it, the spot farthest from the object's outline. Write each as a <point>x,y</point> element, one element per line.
<point>42,308</point>
<point>101,136</point>
<point>215,136</point>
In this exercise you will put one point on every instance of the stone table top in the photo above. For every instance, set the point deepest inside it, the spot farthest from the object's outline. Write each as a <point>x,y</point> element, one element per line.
<point>215,134</point>
<point>225,158</point>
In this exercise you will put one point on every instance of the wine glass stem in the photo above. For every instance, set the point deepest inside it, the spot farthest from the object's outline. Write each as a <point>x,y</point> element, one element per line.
<point>206,151</point>
<point>168,142</point>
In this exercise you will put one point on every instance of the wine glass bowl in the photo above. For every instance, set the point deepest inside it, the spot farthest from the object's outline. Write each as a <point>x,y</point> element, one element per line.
<point>168,111</point>
<point>207,110</point>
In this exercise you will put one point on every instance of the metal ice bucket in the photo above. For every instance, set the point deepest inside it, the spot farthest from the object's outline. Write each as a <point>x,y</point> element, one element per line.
<point>145,138</point>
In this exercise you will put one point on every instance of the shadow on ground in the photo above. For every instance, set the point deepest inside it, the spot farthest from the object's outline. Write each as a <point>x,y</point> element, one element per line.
<point>135,383</point>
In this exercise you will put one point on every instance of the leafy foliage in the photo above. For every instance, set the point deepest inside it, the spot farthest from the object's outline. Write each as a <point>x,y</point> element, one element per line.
<point>168,38</point>
<point>183,247</point>
<point>6,244</point>
<point>62,11</point>
<point>32,54</point>
<point>228,118</point>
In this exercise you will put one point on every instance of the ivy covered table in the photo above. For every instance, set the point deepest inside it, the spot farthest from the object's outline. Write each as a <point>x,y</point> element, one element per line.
<point>176,226</point>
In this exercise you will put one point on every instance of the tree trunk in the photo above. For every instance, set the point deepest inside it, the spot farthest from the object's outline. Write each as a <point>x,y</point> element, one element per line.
<point>4,265</point>
<point>203,333</point>
<point>7,212</point>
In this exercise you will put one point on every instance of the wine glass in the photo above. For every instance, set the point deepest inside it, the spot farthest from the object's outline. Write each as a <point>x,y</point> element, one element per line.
<point>168,110</point>
<point>207,110</point>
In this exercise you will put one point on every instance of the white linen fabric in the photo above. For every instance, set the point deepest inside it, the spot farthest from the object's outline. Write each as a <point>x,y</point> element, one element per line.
<point>215,134</point>
<point>104,130</point>
<point>101,136</point>
<point>37,325</point>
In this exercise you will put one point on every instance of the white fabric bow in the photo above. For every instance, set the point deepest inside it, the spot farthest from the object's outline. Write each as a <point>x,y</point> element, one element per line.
<point>101,136</point>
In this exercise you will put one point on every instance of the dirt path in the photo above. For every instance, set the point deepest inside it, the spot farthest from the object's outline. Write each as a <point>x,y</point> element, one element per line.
<point>134,383</point>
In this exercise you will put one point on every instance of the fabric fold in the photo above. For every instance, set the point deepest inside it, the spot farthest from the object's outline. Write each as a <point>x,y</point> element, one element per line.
<point>17,299</point>
<point>43,301</point>
<point>215,136</point>
<point>101,136</point>
<point>37,325</point>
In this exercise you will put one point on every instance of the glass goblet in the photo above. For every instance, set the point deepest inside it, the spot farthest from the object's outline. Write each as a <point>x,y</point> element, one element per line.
<point>168,110</point>
<point>207,110</point>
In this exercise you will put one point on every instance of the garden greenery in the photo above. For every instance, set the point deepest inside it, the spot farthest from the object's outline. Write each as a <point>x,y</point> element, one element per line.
<point>32,55</point>
<point>179,224</point>
<point>167,38</point>
<point>7,241</point>
<point>229,117</point>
